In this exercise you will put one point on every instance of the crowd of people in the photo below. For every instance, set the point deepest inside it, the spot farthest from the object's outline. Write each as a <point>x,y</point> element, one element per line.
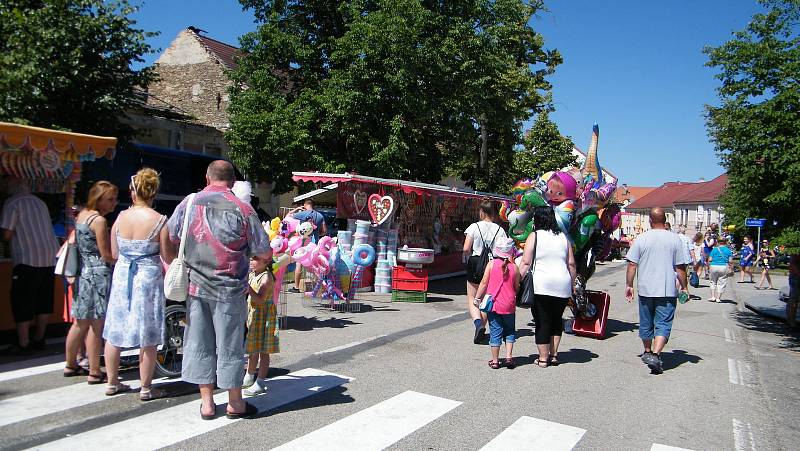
<point>118,293</point>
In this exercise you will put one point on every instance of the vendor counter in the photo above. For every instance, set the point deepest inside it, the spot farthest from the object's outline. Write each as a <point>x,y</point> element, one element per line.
<point>6,317</point>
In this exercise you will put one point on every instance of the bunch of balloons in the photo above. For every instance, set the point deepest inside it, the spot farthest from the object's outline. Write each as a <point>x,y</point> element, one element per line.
<point>584,208</point>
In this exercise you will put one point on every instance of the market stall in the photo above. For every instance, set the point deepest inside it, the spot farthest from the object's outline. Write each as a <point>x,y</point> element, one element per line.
<point>49,161</point>
<point>396,213</point>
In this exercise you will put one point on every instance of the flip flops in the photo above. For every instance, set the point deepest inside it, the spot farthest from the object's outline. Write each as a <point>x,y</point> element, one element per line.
<point>249,411</point>
<point>73,372</point>
<point>98,379</point>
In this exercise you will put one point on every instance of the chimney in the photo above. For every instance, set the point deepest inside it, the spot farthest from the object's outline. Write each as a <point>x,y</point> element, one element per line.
<point>702,179</point>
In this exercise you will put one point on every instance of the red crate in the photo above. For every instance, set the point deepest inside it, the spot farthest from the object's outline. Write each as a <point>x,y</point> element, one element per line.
<point>595,327</point>
<point>409,279</point>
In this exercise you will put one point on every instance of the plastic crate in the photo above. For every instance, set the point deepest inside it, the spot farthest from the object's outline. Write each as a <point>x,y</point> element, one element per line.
<point>409,279</point>
<point>409,296</point>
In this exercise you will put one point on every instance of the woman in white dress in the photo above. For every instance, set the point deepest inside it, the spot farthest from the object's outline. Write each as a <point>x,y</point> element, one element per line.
<point>135,315</point>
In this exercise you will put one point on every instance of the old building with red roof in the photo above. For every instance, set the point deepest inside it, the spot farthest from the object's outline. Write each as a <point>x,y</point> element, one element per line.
<point>691,204</point>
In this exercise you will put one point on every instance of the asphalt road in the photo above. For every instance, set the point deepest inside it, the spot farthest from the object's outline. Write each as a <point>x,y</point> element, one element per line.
<point>407,376</point>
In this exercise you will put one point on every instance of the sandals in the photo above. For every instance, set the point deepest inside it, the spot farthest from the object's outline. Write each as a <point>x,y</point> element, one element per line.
<point>70,371</point>
<point>112,390</point>
<point>510,363</point>
<point>207,417</point>
<point>98,379</point>
<point>540,363</point>
<point>249,411</point>
<point>553,361</point>
<point>494,365</point>
<point>149,394</point>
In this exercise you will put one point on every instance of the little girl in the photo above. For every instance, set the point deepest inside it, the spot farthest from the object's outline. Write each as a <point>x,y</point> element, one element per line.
<point>262,325</point>
<point>501,281</point>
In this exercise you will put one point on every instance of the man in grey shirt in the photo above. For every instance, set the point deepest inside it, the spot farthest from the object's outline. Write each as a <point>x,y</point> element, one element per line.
<point>657,255</point>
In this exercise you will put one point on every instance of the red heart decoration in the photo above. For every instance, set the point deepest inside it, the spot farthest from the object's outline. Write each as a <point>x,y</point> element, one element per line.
<point>380,208</point>
<point>360,200</point>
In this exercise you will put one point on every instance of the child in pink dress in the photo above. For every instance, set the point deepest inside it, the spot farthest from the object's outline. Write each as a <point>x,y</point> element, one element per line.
<point>501,281</point>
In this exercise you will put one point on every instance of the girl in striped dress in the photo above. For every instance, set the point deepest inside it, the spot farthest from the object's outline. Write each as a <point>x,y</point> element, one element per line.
<point>262,325</point>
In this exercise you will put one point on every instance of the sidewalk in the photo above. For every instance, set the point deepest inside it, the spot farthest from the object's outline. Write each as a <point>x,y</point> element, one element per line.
<point>765,302</point>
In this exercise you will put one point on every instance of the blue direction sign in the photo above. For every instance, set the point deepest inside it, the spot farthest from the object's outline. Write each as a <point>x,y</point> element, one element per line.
<point>753,222</point>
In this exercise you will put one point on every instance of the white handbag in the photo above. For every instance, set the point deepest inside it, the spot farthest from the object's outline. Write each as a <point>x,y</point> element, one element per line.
<point>176,280</point>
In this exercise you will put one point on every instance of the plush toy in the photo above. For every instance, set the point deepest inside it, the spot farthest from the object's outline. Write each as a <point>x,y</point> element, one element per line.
<point>560,188</point>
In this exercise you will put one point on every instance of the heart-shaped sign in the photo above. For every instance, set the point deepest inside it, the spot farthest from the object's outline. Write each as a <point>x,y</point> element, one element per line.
<point>380,208</point>
<point>360,200</point>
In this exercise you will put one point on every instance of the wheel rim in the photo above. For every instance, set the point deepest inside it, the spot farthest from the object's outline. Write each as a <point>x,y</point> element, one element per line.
<point>168,359</point>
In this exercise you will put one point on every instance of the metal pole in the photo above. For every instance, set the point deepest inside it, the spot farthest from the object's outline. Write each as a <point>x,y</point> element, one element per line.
<point>758,248</point>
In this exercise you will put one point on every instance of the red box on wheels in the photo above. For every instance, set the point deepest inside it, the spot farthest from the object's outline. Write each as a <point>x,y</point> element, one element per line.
<point>409,279</point>
<point>595,327</point>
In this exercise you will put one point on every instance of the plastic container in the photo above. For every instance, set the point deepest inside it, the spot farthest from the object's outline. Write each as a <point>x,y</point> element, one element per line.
<point>594,327</point>
<point>383,289</point>
<point>409,296</point>
<point>409,279</point>
<point>345,236</point>
<point>351,225</point>
<point>362,226</point>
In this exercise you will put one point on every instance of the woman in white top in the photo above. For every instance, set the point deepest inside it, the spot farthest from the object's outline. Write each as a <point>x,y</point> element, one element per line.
<point>553,281</point>
<point>479,234</point>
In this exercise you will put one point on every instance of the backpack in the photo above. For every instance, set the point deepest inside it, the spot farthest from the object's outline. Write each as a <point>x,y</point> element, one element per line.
<point>476,265</point>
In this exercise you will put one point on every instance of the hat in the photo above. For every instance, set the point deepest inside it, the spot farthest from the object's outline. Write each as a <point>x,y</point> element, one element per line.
<point>503,248</point>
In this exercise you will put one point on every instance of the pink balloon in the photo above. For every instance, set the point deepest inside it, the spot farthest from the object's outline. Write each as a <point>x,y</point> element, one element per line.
<point>291,223</point>
<point>295,243</point>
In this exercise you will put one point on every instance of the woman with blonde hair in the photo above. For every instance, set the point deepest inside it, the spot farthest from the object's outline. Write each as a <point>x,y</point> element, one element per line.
<point>136,305</point>
<point>89,306</point>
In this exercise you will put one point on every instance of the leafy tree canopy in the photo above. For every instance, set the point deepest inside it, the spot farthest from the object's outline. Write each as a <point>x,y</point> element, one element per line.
<point>410,89</point>
<point>755,129</point>
<point>65,64</point>
<point>545,149</point>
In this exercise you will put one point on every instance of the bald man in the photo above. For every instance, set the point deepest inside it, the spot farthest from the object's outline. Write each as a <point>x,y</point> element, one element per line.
<point>223,234</point>
<point>656,256</point>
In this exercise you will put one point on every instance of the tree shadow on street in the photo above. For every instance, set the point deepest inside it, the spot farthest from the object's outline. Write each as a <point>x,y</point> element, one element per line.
<point>449,286</point>
<point>753,321</point>
<point>677,358</point>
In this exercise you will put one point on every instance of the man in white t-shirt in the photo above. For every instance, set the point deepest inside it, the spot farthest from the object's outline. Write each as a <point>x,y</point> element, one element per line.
<point>477,234</point>
<point>656,255</point>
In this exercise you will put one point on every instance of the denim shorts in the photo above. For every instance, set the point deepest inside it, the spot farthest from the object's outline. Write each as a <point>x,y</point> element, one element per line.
<point>655,316</point>
<point>502,327</point>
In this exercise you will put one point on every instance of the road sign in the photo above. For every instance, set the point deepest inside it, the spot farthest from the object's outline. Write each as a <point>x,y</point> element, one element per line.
<point>753,222</point>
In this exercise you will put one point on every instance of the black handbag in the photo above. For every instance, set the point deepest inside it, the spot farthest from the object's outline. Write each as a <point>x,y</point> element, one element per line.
<point>476,265</point>
<point>525,295</point>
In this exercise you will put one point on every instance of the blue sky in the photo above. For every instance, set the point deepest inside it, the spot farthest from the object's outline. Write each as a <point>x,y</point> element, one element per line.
<point>633,67</point>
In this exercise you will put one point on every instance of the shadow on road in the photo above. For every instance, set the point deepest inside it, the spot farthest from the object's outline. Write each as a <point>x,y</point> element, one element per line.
<point>677,358</point>
<point>449,286</point>
<point>304,323</point>
<point>614,326</point>
<point>576,356</point>
<point>752,321</point>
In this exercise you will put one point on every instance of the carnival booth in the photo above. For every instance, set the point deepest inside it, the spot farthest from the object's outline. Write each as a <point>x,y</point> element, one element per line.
<point>49,161</point>
<point>416,229</point>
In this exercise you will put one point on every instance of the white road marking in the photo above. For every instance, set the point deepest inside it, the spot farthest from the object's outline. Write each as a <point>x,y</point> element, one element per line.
<point>659,447</point>
<point>54,400</point>
<point>168,426</point>
<point>376,427</point>
<point>349,345</point>
<point>739,373</point>
<point>40,365</point>
<point>729,336</point>
<point>533,433</point>
<point>447,316</point>
<point>743,438</point>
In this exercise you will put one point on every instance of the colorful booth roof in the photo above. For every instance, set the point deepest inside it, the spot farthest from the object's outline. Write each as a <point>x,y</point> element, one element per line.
<point>407,187</point>
<point>72,146</point>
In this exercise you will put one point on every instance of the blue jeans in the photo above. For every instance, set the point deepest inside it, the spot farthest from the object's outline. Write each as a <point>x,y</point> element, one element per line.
<point>502,327</point>
<point>655,316</point>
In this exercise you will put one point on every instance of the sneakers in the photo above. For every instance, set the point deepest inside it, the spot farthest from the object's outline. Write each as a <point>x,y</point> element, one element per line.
<point>479,333</point>
<point>249,379</point>
<point>653,362</point>
<point>259,387</point>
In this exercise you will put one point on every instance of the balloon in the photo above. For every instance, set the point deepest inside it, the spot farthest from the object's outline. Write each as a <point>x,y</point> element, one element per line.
<point>610,218</point>
<point>584,230</point>
<point>276,244</point>
<point>305,229</point>
<point>532,199</point>
<point>561,187</point>
<point>325,245</point>
<point>564,212</point>
<point>521,187</point>
<point>295,243</point>
<point>363,255</point>
<point>504,209</point>
<point>290,224</point>
<point>520,225</point>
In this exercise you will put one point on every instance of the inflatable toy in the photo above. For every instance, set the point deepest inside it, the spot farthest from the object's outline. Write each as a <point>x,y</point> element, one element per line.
<point>564,212</point>
<point>305,229</point>
<point>363,255</point>
<point>560,188</point>
<point>584,229</point>
<point>295,243</point>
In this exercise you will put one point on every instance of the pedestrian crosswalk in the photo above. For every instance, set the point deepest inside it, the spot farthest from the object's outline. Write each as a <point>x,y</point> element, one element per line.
<point>379,426</point>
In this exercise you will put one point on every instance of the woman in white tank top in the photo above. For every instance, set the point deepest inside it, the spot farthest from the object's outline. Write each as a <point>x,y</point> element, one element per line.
<point>553,281</point>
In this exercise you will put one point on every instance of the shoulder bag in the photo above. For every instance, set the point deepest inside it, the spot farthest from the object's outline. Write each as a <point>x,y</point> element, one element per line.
<point>176,280</point>
<point>525,294</point>
<point>487,304</point>
<point>477,264</point>
<point>68,264</point>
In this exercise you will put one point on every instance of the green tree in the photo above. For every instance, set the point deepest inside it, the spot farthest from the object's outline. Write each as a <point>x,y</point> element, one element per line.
<point>545,149</point>
<point>755,128</point>
<point>65,64</point>
<point>408,89</point>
